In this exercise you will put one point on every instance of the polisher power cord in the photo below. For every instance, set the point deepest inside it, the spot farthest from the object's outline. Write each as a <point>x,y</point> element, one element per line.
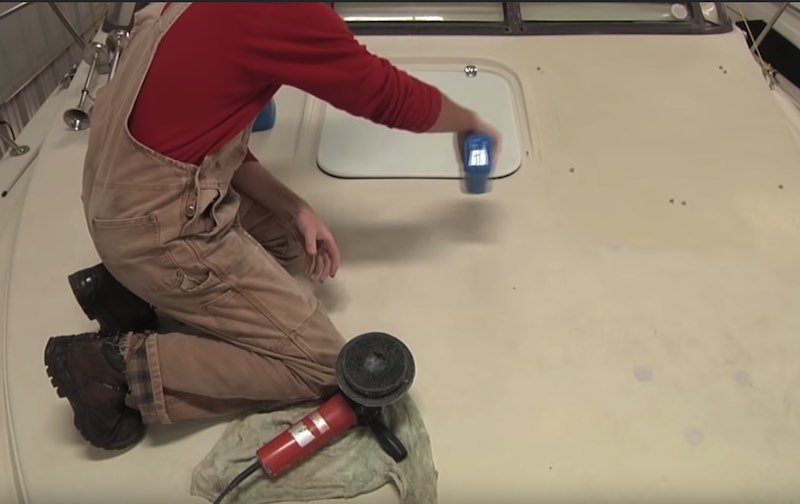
<point>238,480</point>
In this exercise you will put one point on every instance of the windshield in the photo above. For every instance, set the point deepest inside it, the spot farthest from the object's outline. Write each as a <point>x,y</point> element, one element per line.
<point>605,11</point>
<point>530,18</point>
<point>420,11</point>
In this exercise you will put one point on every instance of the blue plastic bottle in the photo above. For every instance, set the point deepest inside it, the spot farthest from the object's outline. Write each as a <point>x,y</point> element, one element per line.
<point>266,118</point>
<point>478,148</point>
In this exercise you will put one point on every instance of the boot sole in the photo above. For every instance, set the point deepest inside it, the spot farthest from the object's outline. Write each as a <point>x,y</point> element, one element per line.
<point>55,360</point>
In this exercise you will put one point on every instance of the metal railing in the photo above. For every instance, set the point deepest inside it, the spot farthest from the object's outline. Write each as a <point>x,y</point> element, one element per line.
<point>770,24</point>
<point>117,14</point>
<point>38,73</point>
<point>16,149</point>
<point>14,9</point>
<point>71,29</point>
<point>118,18</point>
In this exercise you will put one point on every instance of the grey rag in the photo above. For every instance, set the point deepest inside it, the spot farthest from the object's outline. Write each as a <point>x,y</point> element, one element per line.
<point>350,466</point>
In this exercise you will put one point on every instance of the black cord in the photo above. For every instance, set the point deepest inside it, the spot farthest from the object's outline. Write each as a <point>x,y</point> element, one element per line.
<point>238,480</point>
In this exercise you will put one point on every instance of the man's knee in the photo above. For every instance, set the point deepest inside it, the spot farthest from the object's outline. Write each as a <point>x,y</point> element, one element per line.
<point>320,342</point>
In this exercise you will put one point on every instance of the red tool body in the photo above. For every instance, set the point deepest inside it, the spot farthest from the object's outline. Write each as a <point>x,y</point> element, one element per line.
<point>315,430</point>
<point>373,370</point>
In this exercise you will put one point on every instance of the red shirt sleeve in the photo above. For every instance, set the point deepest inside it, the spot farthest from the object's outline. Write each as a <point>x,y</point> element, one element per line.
<point>310,47</point>
<point>221,62</point>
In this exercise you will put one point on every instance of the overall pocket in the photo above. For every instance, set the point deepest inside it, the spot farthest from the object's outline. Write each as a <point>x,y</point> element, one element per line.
<point>188,254</point>
<point>131,249</point>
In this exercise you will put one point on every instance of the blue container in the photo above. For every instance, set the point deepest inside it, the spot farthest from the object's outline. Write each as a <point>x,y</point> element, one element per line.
<point>266,118</point>
<point>478,149</point>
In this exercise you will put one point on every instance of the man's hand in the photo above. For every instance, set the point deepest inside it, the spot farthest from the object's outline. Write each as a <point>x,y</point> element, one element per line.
<point>322,253</point>
<point>481,126</point>
<point>463,121</point>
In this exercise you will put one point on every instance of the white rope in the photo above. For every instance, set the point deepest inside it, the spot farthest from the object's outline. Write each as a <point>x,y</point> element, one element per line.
<point>766,68</point>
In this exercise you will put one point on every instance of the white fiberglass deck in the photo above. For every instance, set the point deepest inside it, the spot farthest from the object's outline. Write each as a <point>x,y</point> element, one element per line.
<point>581,334</point>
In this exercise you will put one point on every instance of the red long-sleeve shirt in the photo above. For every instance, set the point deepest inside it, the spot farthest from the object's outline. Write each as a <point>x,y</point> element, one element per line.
<point>221,63</point>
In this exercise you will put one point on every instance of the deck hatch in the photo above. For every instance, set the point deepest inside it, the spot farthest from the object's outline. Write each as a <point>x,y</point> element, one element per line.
<point>351,147</point>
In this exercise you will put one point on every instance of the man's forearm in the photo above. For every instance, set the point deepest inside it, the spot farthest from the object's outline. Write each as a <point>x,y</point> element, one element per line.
<point>457,119</point>
<point>261,186</point>
<point>454,118</point>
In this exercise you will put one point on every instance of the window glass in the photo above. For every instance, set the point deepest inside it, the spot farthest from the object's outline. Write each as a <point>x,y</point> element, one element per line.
<point>710,12</point>
<point>354,12</point>
<point>605,11</point>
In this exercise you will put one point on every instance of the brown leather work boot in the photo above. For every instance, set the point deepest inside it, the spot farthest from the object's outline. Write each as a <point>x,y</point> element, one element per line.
<point>95,389</point>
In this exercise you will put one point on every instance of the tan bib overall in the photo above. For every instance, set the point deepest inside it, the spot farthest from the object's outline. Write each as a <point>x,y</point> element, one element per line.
<point>180,237</point>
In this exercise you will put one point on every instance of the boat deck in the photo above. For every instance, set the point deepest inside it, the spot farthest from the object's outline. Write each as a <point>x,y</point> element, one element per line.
<point>617,321</point>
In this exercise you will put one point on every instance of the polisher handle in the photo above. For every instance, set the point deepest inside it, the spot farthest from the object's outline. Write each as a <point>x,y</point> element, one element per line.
<point>387,439</point>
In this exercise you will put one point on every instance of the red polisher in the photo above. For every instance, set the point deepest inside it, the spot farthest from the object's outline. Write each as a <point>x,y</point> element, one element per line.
<point>373,370</point>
